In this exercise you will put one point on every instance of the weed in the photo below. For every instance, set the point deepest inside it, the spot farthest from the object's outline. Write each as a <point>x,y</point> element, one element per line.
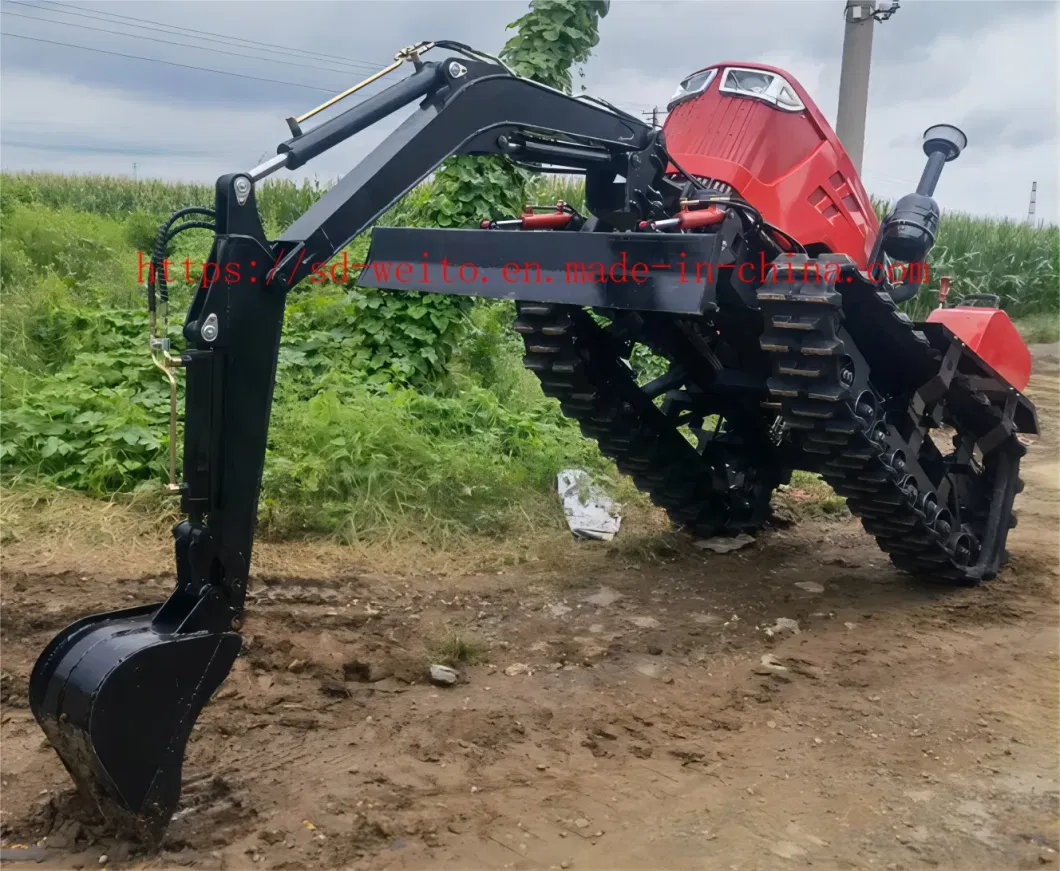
<point>455,649</point>
<point>397,416</point>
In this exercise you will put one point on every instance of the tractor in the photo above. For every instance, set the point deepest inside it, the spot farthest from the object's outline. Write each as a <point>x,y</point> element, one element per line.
<point>736,244</point>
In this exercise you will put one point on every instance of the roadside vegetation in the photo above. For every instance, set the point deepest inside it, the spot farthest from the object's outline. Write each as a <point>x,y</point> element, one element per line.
<point>397,415</point>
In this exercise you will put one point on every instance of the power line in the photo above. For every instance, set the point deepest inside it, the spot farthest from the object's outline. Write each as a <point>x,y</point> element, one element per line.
<point>167,41</point>
<point>655,112</point>
<point>172,29</point>
<point>170,63</point>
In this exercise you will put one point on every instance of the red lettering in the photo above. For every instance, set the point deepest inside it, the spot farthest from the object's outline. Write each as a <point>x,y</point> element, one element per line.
<point>474,273</point>
<point>506,268</point>
<point>699,272</point>
<point>445,270</point>
<point>683,276</point>
<point>740,275</point>
<point>806,270</point>
<point>318,275</point>
<point>576,273</point>
<point>345,266</point>
<point>231,273</point>
<point>597,273</point>
<point>526,269</point>
<point>611,272</point>
<point>766,268</point>
<point>400,269</point>
<point>633,273</point>
<point>187,269</point>
<point>213,276</point>
<point>381,270</point>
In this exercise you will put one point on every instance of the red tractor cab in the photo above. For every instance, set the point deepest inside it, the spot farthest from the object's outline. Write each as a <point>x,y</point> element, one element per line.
<point>754,129</point>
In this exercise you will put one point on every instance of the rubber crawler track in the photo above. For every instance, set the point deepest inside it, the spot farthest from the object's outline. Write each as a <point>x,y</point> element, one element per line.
<point>816,400</point>
<point>576,363</point>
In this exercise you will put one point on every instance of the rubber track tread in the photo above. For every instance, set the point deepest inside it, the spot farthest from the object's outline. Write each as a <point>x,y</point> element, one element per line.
<point>571,356</point>
<point>821,411</point>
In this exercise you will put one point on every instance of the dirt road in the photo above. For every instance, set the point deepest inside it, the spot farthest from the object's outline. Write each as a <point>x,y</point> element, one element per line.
<point>630,712</point>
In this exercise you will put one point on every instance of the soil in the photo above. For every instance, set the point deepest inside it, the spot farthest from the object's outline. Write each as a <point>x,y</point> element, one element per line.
<point>627,710</point>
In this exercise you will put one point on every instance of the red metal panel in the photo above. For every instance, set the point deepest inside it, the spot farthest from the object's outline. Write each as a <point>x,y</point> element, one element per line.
<point>789,165</point>
<point>991,335</point>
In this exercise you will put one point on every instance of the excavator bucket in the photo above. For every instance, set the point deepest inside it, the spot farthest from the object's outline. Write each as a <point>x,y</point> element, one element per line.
<point>117,695</point>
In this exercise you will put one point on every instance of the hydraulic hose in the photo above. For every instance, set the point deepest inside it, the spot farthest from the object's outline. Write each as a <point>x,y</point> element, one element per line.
<point>166,233</point>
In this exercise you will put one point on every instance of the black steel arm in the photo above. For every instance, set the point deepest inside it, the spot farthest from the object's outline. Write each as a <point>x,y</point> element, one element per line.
<point>472,107</point>
<point>234,323</point>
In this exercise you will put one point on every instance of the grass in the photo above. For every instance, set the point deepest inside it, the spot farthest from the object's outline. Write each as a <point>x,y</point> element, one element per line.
<point>1039,329</point>
<point>809,497</point>
<point>455,649</point>
<point>356,454</point>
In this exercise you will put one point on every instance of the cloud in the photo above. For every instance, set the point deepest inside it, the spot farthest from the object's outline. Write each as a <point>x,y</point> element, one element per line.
<point>67,109</point>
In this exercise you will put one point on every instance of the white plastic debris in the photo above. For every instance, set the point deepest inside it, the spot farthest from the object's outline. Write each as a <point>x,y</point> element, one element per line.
<point>443,675</point>
<point>590,513</point>
<point>725,544</point>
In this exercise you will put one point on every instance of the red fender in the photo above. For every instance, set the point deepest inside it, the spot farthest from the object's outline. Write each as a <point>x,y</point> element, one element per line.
<point>991,334</point>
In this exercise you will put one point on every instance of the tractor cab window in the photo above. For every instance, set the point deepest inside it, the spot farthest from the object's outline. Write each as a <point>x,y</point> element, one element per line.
<point>691,87</point>
<point>761,85</point>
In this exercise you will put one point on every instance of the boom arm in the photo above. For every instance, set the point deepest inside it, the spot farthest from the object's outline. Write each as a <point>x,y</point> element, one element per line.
<point>117,694</point>
<point>468,107</point>
<point>473,107</point>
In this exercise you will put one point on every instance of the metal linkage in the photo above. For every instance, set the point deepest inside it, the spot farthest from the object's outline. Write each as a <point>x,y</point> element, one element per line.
<point>410,53</point>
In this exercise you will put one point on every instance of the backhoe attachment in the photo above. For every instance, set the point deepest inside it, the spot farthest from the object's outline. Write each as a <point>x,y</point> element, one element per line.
<point>118,694</point>
<point>777,352</point>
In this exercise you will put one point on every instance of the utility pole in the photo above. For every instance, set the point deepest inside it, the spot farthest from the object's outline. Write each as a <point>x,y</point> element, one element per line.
<point>854,77</point>
<point>860,16</point>
<point>654,116</point>
<point>1030,208</point>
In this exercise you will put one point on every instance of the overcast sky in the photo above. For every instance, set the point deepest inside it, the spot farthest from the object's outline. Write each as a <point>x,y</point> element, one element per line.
<point>989,67</point>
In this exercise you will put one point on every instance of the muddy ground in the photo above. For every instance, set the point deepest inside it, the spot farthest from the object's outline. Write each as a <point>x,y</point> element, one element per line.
<point>629,711</point>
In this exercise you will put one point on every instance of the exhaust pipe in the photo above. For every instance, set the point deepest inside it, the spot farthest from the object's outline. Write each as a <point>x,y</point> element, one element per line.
<point>908,233</point>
